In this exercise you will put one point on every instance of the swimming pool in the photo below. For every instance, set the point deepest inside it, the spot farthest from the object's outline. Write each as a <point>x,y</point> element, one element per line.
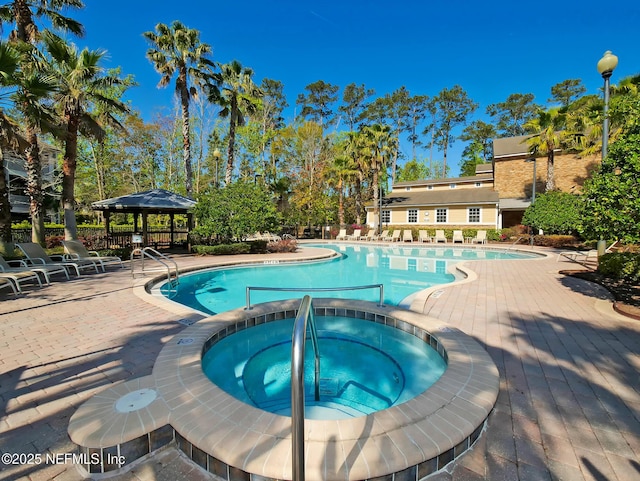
<point>364,367</point>
<point>403,270</point>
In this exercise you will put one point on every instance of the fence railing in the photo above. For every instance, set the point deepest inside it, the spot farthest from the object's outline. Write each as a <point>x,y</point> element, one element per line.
<point>119,236</point>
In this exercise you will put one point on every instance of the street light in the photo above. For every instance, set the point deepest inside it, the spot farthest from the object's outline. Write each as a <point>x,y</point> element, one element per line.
<point>533,188</point>
<point>217,155</point>
<point>606,65</point>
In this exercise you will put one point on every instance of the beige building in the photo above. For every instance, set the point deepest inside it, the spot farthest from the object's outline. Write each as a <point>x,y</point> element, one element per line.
<point>496,197</point>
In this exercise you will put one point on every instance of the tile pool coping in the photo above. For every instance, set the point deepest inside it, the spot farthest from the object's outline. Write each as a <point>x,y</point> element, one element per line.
<point>230,438</point>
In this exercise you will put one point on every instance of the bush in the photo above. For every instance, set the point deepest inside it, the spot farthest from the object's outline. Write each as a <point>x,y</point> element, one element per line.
<point>284,245</point>
<point>555,213</point>
<point>620,265</point>
<point>222,249</point>
<point>555,240</point>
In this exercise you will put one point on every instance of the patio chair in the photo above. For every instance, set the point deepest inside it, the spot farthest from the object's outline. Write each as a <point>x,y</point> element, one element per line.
<point>457,237</point>
<point>384,235</point>
<point>440,237</point>
<point>584,256</point>
<point>356,235</point>
<point>37,256</point>
<point>371,235</point>
<point>480,238</point>
<point>76,250</point>
<point>7,283</point>
<point>21,266</point>
<point>18,275</point>
<point>395,237</point>
<point>423,236</point>
<point>342,235</point>
<point>407,235</point>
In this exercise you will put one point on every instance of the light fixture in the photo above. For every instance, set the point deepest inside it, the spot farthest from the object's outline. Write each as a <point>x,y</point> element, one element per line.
<point>606,64</point>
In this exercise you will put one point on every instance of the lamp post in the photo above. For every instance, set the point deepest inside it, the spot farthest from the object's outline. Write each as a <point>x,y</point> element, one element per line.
<point>606,65</point>
<point>533,188</point>
<point>216,155</point>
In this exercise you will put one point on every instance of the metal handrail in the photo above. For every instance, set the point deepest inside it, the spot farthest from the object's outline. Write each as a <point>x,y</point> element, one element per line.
<point>312,289</point>
<point>156,256</point>
<point>515,243</point>
<point>305,317</point>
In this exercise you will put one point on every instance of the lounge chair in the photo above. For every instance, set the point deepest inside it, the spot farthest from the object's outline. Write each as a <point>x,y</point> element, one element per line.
<point>584,256</point>
<point>342,235</point>
<point>357,234</point>
<point>371,235</point>
<point>19,275</point>
<point>440,237</point>
<point>423,236</point>
<point>458,237</point>
<point>384,236</point>
<point>407,235</point>
<point>395,237</point>
<point>480,238</point>
<point>7,283</point>
<point>75,250</point>
<point>21,266</point>
<point>37,256</point>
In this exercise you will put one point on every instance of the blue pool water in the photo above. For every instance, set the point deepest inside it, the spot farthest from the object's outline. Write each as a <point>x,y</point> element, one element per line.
<point>364,367</point>
<point>402,270</point>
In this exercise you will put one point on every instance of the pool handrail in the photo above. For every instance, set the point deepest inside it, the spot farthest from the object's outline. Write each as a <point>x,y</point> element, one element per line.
<point>304,317</point>
<point>312,289</point>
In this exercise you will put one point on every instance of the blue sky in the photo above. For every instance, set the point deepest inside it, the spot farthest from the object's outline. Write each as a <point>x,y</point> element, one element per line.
<point>491,48</point>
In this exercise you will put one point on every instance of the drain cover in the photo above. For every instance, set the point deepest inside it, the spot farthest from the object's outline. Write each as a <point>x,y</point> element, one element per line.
<point>135,400</point>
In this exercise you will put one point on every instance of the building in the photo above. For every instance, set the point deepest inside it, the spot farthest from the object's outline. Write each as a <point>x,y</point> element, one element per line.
<point>494,198</point>
<point>15,171</point>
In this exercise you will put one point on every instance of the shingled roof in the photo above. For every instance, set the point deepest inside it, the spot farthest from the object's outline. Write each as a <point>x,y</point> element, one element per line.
<point>156,201</point>
<point>478,195</point>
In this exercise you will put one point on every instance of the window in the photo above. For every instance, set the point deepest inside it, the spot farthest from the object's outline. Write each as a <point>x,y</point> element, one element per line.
<point>473,214</point>
<point>429,187</point>
<point>478,184</point>
<point>386,216</point>
<point>407,189</point>
<point>441,215</point>
<point>452,186</point>
<point>412,216</point>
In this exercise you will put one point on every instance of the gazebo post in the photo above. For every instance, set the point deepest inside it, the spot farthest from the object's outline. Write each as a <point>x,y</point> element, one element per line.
<point>171,215</point>
<point>189,228</point>
<point>145,226</point>
<point>107,227</point>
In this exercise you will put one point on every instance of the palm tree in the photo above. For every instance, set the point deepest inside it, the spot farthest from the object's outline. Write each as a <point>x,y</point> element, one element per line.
<point>177,50</point>
<point>381,144</point>
<point>80,83</point>
<point>550,135</point>
<point>339,175</point>
<point>238,97</point>
<point>29,102</point>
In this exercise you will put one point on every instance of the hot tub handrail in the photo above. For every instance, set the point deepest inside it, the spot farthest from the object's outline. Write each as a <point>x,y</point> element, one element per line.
<point>313,289</point>
<point>305,317</point>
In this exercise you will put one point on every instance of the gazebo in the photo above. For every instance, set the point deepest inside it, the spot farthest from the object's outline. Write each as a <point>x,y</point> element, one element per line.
<point>156,201</point>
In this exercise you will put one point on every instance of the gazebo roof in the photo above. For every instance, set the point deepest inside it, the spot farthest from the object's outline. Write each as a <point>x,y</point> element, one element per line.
<point>156,201</point>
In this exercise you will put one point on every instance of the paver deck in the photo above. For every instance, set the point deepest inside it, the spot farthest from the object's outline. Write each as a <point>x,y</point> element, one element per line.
<point>568,408</point>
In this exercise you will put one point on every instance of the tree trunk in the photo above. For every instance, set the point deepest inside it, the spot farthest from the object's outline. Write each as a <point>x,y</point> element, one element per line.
<point>69,178</point>
<point>232,139</point>
<point>34,186</point>
<point>551,181</point>
<point>186,141</point>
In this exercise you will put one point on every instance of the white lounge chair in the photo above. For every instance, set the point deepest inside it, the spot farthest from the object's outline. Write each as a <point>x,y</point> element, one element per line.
<point>357,233</point>
<point>583,256</point>
<point>480,238</point>
<point>37,256</point>
<point>395,237</point>
<point>457,237</point>
<point>407,235</point>
<point>423,236</point>
<point>76,250</point>
<point>21,266</point>
<point>342,235</point>
<point>371,235</point>
<point>440,237</point>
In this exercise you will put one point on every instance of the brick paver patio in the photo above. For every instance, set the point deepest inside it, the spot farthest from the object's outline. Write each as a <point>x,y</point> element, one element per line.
<point>568,409</point>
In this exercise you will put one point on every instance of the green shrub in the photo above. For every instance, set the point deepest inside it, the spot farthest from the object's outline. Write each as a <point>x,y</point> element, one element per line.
<point>620,265</point>
<point>222,249</point>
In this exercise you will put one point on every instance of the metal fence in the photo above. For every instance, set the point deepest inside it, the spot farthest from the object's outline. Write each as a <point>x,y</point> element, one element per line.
<point>119,236</point>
